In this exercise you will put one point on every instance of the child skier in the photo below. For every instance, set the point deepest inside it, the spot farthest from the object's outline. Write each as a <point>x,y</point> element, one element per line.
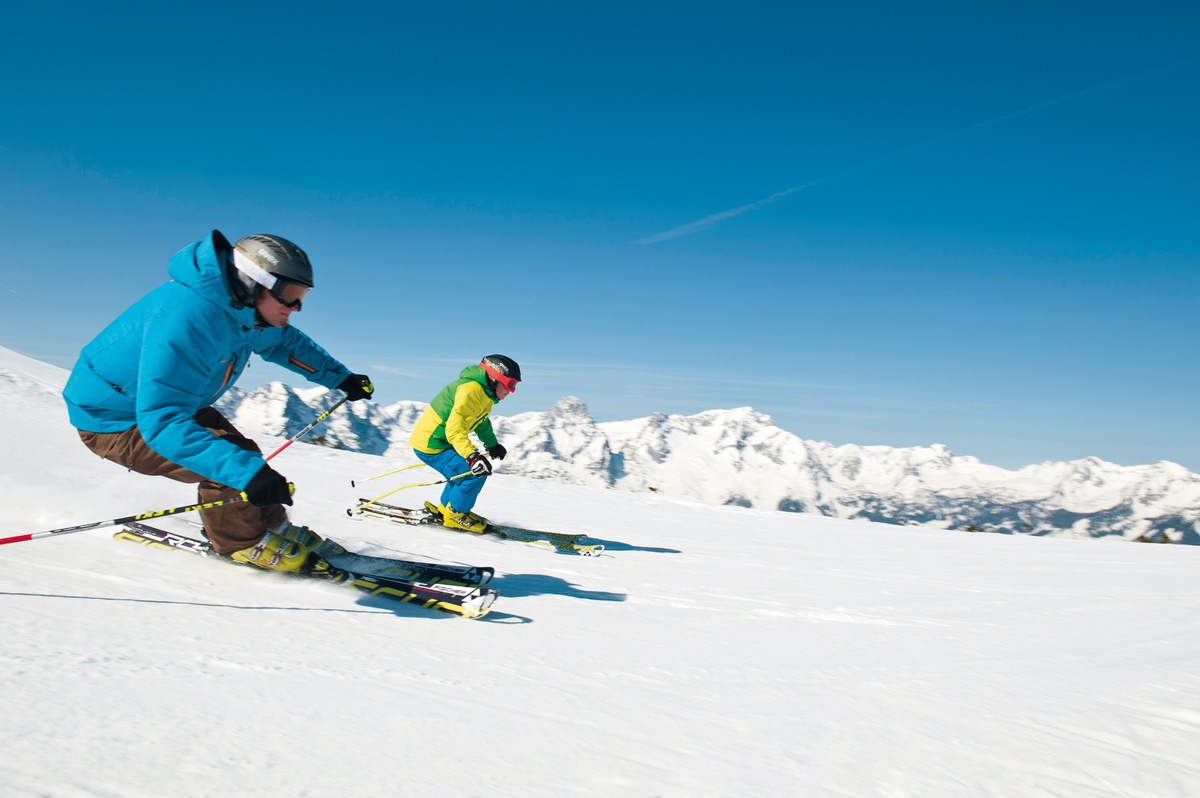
<point>441,440</point>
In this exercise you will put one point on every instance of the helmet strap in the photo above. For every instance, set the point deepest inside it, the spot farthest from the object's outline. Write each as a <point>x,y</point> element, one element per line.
<point>242,290</point>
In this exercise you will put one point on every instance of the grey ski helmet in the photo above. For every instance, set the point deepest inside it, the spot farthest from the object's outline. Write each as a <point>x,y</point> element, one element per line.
<point>263,259</point>
<point>502,368</point>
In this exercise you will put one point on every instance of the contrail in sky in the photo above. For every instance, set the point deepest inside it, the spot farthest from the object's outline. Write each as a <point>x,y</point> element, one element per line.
<point>716,218</point>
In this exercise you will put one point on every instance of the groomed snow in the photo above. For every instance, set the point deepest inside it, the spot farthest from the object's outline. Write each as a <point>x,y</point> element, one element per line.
<point>712,652</point>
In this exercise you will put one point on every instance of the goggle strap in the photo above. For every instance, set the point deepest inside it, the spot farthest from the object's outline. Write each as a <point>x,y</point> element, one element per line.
<point>252,270</point>
<point>510,383</point>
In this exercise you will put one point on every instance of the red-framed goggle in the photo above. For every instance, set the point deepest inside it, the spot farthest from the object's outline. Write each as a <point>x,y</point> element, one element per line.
<point>509,383</point>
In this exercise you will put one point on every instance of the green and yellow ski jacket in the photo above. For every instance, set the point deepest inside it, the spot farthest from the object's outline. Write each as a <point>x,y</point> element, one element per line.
<point>458,409</point>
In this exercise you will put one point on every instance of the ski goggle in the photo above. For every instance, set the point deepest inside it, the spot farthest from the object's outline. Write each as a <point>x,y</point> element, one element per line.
<point>509,383</point>
<point>289,294</point>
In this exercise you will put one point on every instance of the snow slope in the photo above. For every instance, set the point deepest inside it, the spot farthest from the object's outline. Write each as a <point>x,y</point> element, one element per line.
<point>714,652</point>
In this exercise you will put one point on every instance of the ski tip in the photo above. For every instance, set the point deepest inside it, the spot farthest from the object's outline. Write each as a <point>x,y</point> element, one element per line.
<point>480,605</point>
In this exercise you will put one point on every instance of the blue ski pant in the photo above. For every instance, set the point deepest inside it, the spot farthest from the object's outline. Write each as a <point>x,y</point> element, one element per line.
<point>461,493</point>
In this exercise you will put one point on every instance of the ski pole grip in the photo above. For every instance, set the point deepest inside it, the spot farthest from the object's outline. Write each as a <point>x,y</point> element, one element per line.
<point>291,492</point>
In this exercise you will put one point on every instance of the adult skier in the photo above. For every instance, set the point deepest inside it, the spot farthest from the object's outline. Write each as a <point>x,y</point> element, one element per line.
<point>142,392</point>
<point>441,438</point>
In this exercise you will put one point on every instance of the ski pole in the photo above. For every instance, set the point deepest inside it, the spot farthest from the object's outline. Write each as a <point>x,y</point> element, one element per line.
<point>412,485</point>
<point>354,484</point>
<point>241,497</point>
<point>309,428</point>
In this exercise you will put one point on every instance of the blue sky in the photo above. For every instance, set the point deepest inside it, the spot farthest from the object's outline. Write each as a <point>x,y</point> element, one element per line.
<point>878,223</point>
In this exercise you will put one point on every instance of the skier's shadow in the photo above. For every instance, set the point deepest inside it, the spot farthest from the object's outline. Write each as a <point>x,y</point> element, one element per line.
<point>613,545</point>
<point>522,585</point>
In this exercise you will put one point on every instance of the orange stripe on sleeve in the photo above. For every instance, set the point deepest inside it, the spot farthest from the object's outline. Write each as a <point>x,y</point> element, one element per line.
<point>304,366</point>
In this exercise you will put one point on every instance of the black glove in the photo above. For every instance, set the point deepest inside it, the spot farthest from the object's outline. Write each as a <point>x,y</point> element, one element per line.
<point>497,452</point>
<point>268,488</point>
<point>357,386</point>
<point>480,465</point>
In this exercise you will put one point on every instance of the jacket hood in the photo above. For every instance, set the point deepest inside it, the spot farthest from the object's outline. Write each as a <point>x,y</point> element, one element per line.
<point>477,374</point>
<point>202,267</point>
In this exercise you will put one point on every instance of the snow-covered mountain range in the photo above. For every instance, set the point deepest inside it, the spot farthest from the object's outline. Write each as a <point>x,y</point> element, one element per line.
<point>739,457</point>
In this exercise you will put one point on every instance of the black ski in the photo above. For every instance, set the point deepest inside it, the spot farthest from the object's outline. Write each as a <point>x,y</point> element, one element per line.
<point>468,600</point>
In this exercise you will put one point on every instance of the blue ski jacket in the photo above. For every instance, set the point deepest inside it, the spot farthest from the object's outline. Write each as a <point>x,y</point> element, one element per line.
<point>176,351</point>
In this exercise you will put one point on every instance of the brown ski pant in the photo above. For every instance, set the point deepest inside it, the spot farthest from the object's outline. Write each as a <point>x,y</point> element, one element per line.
<point>230,527</point>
